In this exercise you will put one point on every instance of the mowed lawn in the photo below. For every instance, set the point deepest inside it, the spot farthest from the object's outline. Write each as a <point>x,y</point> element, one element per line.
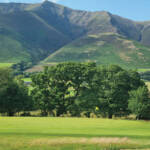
<point>35,133</point>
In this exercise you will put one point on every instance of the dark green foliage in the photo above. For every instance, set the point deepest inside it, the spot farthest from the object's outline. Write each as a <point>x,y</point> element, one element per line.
<point>76,89</point>
<point>139,103</point>
<point>43,92</point>
<point>83,87</point>
<point>58,87</point>
<point>20,67</point>
<point>135,80</point>
<point>13,94</point>
<point>113,99</point>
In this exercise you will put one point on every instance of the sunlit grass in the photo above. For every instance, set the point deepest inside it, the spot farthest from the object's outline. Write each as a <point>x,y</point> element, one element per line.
<point>35,133</point>
<point>27,79</point>
<point>4,65</point>
<point>143,69</point>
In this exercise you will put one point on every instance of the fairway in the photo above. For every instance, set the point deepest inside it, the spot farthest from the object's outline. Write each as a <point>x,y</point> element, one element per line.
<point>72,133</point>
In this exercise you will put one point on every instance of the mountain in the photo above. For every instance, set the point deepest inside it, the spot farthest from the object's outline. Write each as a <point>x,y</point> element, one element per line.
<point>105,48</point>
<point>49,32</point>
<point>26,36</point>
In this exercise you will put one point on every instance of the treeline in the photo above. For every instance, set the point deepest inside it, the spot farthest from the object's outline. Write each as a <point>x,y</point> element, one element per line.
<point>77,89</point>
<point>20,68</point>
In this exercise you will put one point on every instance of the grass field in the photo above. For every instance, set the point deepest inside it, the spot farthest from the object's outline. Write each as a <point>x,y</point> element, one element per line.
<point>72,134</point>
<point>26,79</point>
<point>4,65</point>
<point>143,69</point>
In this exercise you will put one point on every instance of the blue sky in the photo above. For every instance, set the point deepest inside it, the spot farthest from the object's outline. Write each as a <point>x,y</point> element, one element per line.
<point>133,9</point>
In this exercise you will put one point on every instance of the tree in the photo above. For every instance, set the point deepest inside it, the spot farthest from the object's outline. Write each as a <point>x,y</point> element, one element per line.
<point>139,103</point>
<point>87,99</point>
<point>42,92</point>
<point>20,67</point>
<point>135,80</point>
<point>83,87</point>
<point>13,94</point>
<point>58,87</point>
<point>113,91</point>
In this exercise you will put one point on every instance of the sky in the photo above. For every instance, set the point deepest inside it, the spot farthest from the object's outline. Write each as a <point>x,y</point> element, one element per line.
<point>138,10</point>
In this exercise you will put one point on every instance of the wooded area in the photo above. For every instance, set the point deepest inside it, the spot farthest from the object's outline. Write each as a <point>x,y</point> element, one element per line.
<point>77,89</point>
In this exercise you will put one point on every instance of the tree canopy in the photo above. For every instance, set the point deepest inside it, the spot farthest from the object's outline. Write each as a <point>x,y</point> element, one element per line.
<point>77,89</point>
<point>13,94</point>
<point>85,87</point>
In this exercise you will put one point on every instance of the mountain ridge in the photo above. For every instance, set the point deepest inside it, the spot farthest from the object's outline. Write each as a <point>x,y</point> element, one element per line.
<point>43,29</point>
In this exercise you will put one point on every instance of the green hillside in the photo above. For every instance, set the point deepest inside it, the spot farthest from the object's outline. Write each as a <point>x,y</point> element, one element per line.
<point>51,32</point>
<point>107,48</point>
<point>25,36</point>
<point>11,50</point>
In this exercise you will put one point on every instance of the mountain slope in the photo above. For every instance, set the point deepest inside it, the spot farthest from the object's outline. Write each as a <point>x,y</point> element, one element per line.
<point>34,32</point>
<point>37,37</point>
<point>33,35</point>
<point>106,48</point>
<point>12,50</point>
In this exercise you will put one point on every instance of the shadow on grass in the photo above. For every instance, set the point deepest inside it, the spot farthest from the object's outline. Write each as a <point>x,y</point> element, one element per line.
<point>73,135</point>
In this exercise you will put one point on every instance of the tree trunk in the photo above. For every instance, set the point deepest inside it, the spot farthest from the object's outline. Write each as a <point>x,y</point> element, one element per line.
<point>88,114</point>
<point>110,115</point>
<point>10,114</point>
<point>61,110</point>
<point>44,113</point>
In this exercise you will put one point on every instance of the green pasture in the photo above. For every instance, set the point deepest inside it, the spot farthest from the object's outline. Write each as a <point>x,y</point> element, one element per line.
<point>4,65</point>
<point>34,133</point>
<point>143,69</point>
<point>27,79</point>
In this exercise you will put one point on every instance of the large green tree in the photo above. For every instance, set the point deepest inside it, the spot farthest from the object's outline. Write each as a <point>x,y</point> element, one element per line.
<point>13,94</point>
<point>58,87</point>
<point>83,87</point>
<point>113,91</point>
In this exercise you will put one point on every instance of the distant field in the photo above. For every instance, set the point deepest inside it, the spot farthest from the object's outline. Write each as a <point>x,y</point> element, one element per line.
<point>72,134</point>
<point>143,69</point>
<point>4,65</point>
<point>26,79</point>
<point>40,67</point>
